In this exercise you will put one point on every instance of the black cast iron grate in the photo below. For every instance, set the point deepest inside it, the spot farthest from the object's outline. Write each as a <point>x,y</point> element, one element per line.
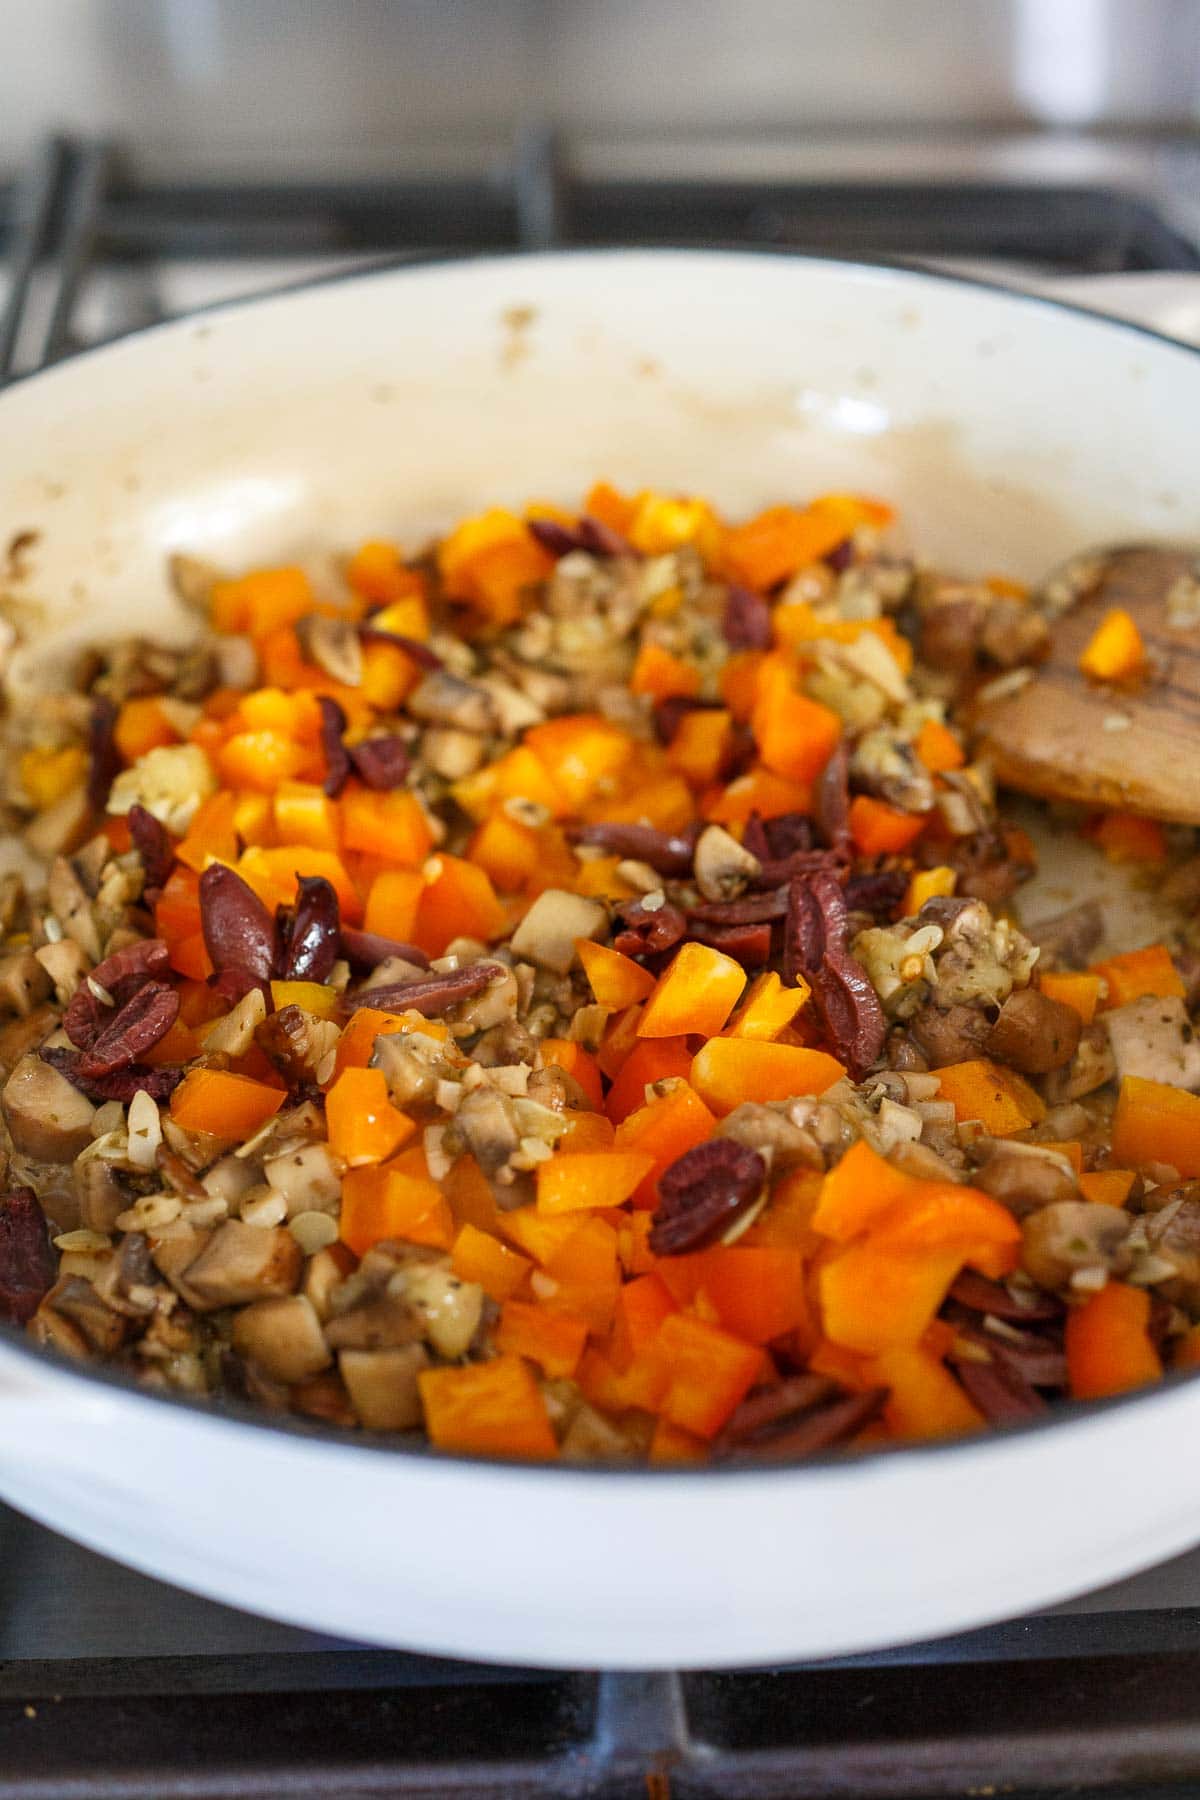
<point>1106,1702</point>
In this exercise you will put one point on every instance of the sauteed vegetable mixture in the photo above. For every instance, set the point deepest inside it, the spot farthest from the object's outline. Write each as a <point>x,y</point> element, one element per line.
<point>560,993</point>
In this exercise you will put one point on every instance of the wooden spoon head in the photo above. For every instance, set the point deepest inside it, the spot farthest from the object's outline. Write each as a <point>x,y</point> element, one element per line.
<point>1133,748</point>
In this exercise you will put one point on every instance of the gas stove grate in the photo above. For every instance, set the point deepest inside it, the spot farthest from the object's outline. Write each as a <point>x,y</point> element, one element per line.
<point>74,211</point>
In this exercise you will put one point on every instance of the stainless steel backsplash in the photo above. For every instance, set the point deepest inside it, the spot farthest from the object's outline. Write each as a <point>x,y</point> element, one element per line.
<point>265,88</point>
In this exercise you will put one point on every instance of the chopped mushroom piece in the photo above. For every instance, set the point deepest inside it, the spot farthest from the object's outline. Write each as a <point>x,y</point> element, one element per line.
<point>1034,1033</point>
<point>245,1262</point>
<point>1153,1038</point>
<point>25,979</point>
<point>47,1118</point>
<point>283,1336</point>
<point>1073,1238</point>
<point>382,1385</point>
<point>548,933</point>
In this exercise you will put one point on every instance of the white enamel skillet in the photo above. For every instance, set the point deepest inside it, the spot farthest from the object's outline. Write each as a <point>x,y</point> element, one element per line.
<point>1009,431</point>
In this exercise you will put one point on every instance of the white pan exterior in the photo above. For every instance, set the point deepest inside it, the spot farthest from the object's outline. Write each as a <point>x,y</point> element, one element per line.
<point>1010,432</point>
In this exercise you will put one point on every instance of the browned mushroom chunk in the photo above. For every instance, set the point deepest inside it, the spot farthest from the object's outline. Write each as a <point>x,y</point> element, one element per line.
<point>1174,1235</point>
<point>950,1035</point>
<point>18,1036</point>
<point>1034,1033</point>
<point>1091,1066</point>
<point>382,1385</point>
<point>1068,938</point>
<point>282,1336</point>
<point>77,1301</point>
<point>47,1118</point>
<point>1074,1238</point>
<point>24,983</point>
<point>1153,1038</point>
<point>1024,1177</point>
<point>245,1262</point>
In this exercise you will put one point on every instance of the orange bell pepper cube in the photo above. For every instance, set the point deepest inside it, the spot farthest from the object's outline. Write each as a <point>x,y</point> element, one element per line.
<point>142,726</point>
<point>873,1300</point>
<point>695,994</point>
<point>289,715</point>
<point>881,830</point>
<point>769,1007</point>
<point>616,980</point>
<point>1109,1349</point>
<point>928,884</point>
<point>1000,1099</point>
<point>757,1293</point>
<point>470,1196</point>
<point>641,1308</point>
<point>364,1126</point>
<point>1157,1123</point>
<point>663,676</point>
<point>604,502</point>
<point>1115,652</point>
<point>273,874</point>
<point>391,825</point>
<point>938,748</point>
<point>553,1340</point>
<point>769,548</point>
<point>388,676</point>
<point>640,1385</point>
<point>580,1183</point>
<point>519,775</point>
<point>506,851</point>
<point>924,1400</point>
<point>357,1043</point>
<point>728,1071</point>
<point>260,760</point>
<point>1108,1187</point>
<point>311,996</point>
<point>478,1256</point>
<point>760,791</point>
<point>458,901</point>
<point>304,814</point>
<point>585,1132</point>
<point>1139,974</point>
<point>1128,838</point>
<point>487,1409</point>
<point>377,572</point>
<point>709,1372</point>
<point>261,602</point>
<point>580,751</point>
<point>647,797</point>
<point>566,1054</point>
<point>1080,992</point>
<point>228,1106</point>
<point>392,904</point>
<point>796,736</point>
<point>857,1191</point>
<point>671,1448</point>
<point>664,1128</point>
<point>585,1271</point>
<point>1185,1353</point>
<point>944,1215</point>
<point>787,1220</point>
<point>651,1060</point>
<point>701,746</point>
<point>397,1199</point>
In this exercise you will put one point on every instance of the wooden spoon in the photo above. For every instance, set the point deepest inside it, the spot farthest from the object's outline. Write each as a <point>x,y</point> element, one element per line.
<point>1133,746</point>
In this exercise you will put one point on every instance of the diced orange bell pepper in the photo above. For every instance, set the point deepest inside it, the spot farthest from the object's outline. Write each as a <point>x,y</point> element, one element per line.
<point>1137,974</point>
<point>760,791</point>
<point>574,1183</point>
<point>392,904</point>
<point>696,993</point>
<point>671,1447</point>
<point>1185,1353</point>
<point>769,548</point>
<point>938,748</point>
<point>857,1191</point>
<point>796,736</point>
<point>757,1293</point>
<point>924,1400</point>
<point>643,1305</point>
<point>580,751</point>
<point>928,884</point>
<point>605,503</point>
<point>1128,838</point>
<point>458,901</point>
<point>253,819</point>
<point>873,1300</point>
<point>519,775</point>
<point>489,561</point>
<point>273,875</point>
<point>364,1126</point>
<point>564,1053</point>
<point>46,775</point>
<point>616,981</point>
<point>286,715</point>
<point>389,675</point>
<point>506,851</point>
<point>598,879</point>
<point>641,1384</point>
<point>701,746</point>
<point>1108,1187</point>
<point>585,1271</point>
<point>407,616</point>
<point>945,1215</point>
<point>261,602</point>
<point>478,1256</point>
<point>769,1007</point>
<point>881,830</point>
<point>554,1340</point>
<point>1115,652</point>
<point>787,1221</point>
<point>585,1132</point>
<point>1157,1123</point>
<point>536,1234</point>
<point>470,1197</point>
<point>142,726</point>
<point>661,523</point>
<point>728,1071</point>
<point>1109,1349</point>
<point>391,825</point>
<point>377,572</point>
<point>663,676</point>
<point>709,1372</point>
<point>652,1059</point>
<point>311,996</point>
<point>260,760</point>
<point>667,1126</point>
<point>1080,992</point>
<point>228,1106</point>
<point>1000,1099</point>
<point>357,1042</point>
<point>619,1040</point>
<point>487,1409</point>
<point>396,1199</point>
<point>304,814</point>
<point>211,836</point>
